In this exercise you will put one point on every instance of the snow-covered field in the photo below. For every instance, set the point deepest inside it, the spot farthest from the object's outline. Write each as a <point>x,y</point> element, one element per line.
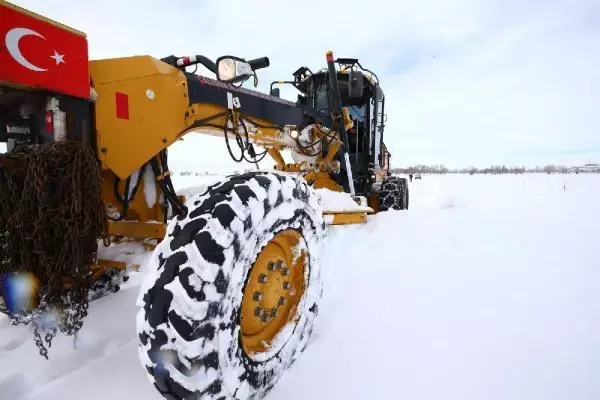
<point>487,288</point>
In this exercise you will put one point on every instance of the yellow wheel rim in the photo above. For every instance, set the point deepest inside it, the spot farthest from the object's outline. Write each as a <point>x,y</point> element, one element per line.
<point>273,290</point>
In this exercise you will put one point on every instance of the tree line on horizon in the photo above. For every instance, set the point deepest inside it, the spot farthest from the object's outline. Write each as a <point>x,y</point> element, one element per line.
<point>496,169</point>
<point>441,169</point>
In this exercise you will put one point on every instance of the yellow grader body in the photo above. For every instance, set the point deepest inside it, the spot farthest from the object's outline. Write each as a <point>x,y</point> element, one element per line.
<point>158,113</point>
<point>232,288</point>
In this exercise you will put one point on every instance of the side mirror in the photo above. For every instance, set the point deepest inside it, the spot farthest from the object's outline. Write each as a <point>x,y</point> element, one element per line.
<point>355,85</point>
<point>275,92</point>
<point>232,69</point>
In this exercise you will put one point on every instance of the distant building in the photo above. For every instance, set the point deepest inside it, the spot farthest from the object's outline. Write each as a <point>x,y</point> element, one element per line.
<point>589,167</point>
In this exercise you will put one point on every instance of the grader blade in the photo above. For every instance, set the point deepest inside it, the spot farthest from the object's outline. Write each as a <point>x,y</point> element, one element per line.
<point>340,208</point>
<point>345,217</point>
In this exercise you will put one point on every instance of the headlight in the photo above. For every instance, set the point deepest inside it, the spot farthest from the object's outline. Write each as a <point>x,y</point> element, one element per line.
<point>232,69</point>
<point>226,69</point>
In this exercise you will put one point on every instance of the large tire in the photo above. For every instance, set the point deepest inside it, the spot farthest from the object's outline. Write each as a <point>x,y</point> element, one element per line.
<point>393,194</point>
<point>191,302</point>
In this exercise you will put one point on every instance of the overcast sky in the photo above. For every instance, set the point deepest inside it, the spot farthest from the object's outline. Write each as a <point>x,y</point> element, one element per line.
<point>467,82</point>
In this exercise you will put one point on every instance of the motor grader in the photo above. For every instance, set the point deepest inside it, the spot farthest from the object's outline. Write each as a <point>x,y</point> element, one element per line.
<point>231,291</point>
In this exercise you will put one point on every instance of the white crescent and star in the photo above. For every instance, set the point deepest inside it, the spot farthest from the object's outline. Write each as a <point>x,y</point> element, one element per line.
<point>12,44</point>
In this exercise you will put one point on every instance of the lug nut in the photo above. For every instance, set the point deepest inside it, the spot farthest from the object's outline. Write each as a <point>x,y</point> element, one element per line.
<point>265,316</point>
<point>271,266</point>
<point>262,278</point>
<point>281,300</point>
<point>257,311</point>
<point>280,264</point>
<point>286,285</point>
<point>273,313</point>
<point>285,271</point>
<point>257,296</point>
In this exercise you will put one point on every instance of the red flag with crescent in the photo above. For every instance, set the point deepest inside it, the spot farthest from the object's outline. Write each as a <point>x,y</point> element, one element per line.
<point>36,53</point>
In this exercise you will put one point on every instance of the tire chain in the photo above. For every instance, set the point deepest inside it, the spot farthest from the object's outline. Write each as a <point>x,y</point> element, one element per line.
<point>392,195</point>
<point>51,217</point>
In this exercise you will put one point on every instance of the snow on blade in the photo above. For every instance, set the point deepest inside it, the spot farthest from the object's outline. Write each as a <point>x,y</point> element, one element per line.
<point>338,201</point>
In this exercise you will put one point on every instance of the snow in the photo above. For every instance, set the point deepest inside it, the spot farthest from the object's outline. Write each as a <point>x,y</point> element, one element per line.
<point>338,201</point>
<point>488,287</point>
<point>149,187</point>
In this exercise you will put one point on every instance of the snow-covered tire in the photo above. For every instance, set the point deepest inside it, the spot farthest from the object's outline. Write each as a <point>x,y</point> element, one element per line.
<point>393,194</point>
<point>188,322</point>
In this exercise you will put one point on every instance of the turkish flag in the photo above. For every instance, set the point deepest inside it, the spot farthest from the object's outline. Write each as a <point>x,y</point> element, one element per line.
<point>36,53</point>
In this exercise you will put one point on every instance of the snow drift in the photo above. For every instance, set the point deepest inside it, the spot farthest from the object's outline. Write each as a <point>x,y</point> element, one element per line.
<point>488,287</point>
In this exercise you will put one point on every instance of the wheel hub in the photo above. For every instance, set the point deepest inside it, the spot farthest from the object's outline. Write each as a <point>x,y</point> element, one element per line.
<point>273,290</point>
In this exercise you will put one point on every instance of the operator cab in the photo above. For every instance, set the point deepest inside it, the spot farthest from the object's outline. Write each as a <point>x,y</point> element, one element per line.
<point>362,96</point>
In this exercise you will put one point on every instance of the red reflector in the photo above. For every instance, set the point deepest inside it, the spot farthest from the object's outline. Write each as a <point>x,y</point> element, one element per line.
<point>49,122</point>
<point>329,56</point>
<point>122,102</point>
